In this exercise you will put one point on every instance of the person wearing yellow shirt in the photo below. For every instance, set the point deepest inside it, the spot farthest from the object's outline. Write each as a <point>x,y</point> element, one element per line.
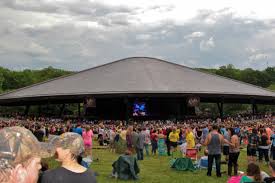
<point>123,134</point>
<point>190,139</point>
<point>174,138</point>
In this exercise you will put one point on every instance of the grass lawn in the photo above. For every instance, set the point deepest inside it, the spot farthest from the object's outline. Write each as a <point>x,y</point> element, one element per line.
<point>156,169</point>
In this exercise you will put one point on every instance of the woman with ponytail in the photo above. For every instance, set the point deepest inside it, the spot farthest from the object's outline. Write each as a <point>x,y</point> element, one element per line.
<point>253,174</point>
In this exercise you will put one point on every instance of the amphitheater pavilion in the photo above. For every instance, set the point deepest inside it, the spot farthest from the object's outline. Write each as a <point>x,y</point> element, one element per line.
<point>166,89</point>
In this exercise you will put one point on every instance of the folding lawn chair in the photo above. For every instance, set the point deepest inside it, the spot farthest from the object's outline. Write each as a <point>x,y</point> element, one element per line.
<point>192,154</point>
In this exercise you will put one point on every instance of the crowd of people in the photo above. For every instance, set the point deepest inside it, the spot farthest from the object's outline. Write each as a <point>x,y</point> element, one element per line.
<point>159,137</point>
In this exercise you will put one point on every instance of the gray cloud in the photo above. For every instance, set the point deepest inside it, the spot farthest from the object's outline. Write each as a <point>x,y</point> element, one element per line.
<point>84,34</point>
<point>104,14</point>
<point>83,7</point>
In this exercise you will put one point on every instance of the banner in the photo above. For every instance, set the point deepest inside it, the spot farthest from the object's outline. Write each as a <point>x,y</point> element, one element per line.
<point>193,101</point>
<point>90,102</point>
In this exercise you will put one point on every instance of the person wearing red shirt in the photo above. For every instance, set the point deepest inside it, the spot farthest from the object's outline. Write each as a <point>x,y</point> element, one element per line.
<point>154,142</point>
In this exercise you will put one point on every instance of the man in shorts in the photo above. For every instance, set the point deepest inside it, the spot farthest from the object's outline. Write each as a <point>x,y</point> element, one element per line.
<point>253,140</point>
<point>174,138</point>
<point>226,146</point>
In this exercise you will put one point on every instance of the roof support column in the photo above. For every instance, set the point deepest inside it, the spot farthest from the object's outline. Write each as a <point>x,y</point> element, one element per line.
<point>220,107</point>
<point>254,109</point>
<point>126,102</point>
<point>27,108</point>
<point>221,110</point>
<point>180,108</point>
<point>62,108</point>
<point>39,110</point>
<point>178,111</point>
<point>79,108</point>
<point>47,109</point>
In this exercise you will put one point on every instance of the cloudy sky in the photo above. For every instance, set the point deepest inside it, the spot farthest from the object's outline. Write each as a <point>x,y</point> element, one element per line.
<point>78,34</point>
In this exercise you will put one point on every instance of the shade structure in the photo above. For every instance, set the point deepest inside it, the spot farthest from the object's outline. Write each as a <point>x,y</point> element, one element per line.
<point>140,76</point>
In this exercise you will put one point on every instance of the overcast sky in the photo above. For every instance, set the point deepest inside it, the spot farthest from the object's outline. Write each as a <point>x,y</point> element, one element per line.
<point>78,34</point>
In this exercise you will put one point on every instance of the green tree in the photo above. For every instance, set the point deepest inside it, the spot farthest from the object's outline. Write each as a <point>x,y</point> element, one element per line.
<point>270,71</point>
<point>229,71</point>
<point>1,82</point>
<point>256,77</point>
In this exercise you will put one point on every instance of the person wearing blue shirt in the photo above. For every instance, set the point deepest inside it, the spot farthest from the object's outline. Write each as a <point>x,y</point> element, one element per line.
<point>205,132</point>
<point>273,146</point>
<point>78,129</point>
<point>237,131</point>
<point>225,145</point>
<point>223,131</point>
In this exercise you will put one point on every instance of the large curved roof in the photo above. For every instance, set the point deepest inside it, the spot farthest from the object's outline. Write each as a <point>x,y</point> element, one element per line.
<point>139,75</point>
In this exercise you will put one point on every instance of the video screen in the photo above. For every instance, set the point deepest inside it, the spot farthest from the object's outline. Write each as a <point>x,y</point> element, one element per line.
<point>139,109</point>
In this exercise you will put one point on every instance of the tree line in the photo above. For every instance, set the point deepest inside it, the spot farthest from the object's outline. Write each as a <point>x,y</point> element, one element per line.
<point>11,80</point>
<point>264,78</point>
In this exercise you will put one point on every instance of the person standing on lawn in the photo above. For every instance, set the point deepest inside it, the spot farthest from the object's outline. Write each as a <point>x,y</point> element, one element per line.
<point>234,152</point>
<point>214,143</point>
<point>154,142</point>
<point>263,147</point>
<point>190,139</point>
<point>272,138</point>
<point>140,144</point>
<point>87,136</point>
<point>147,140</point>
<point>253,142</point>
<point>174,138</point>
<point>168,143</point>
<point>129,138</point>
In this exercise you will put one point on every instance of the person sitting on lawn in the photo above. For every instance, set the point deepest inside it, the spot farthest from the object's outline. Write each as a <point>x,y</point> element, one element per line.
<point>253,174</point>
<point>272,170</point>
<point>69,148</point>
<point>20,156</point>
<point>203,161</point>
